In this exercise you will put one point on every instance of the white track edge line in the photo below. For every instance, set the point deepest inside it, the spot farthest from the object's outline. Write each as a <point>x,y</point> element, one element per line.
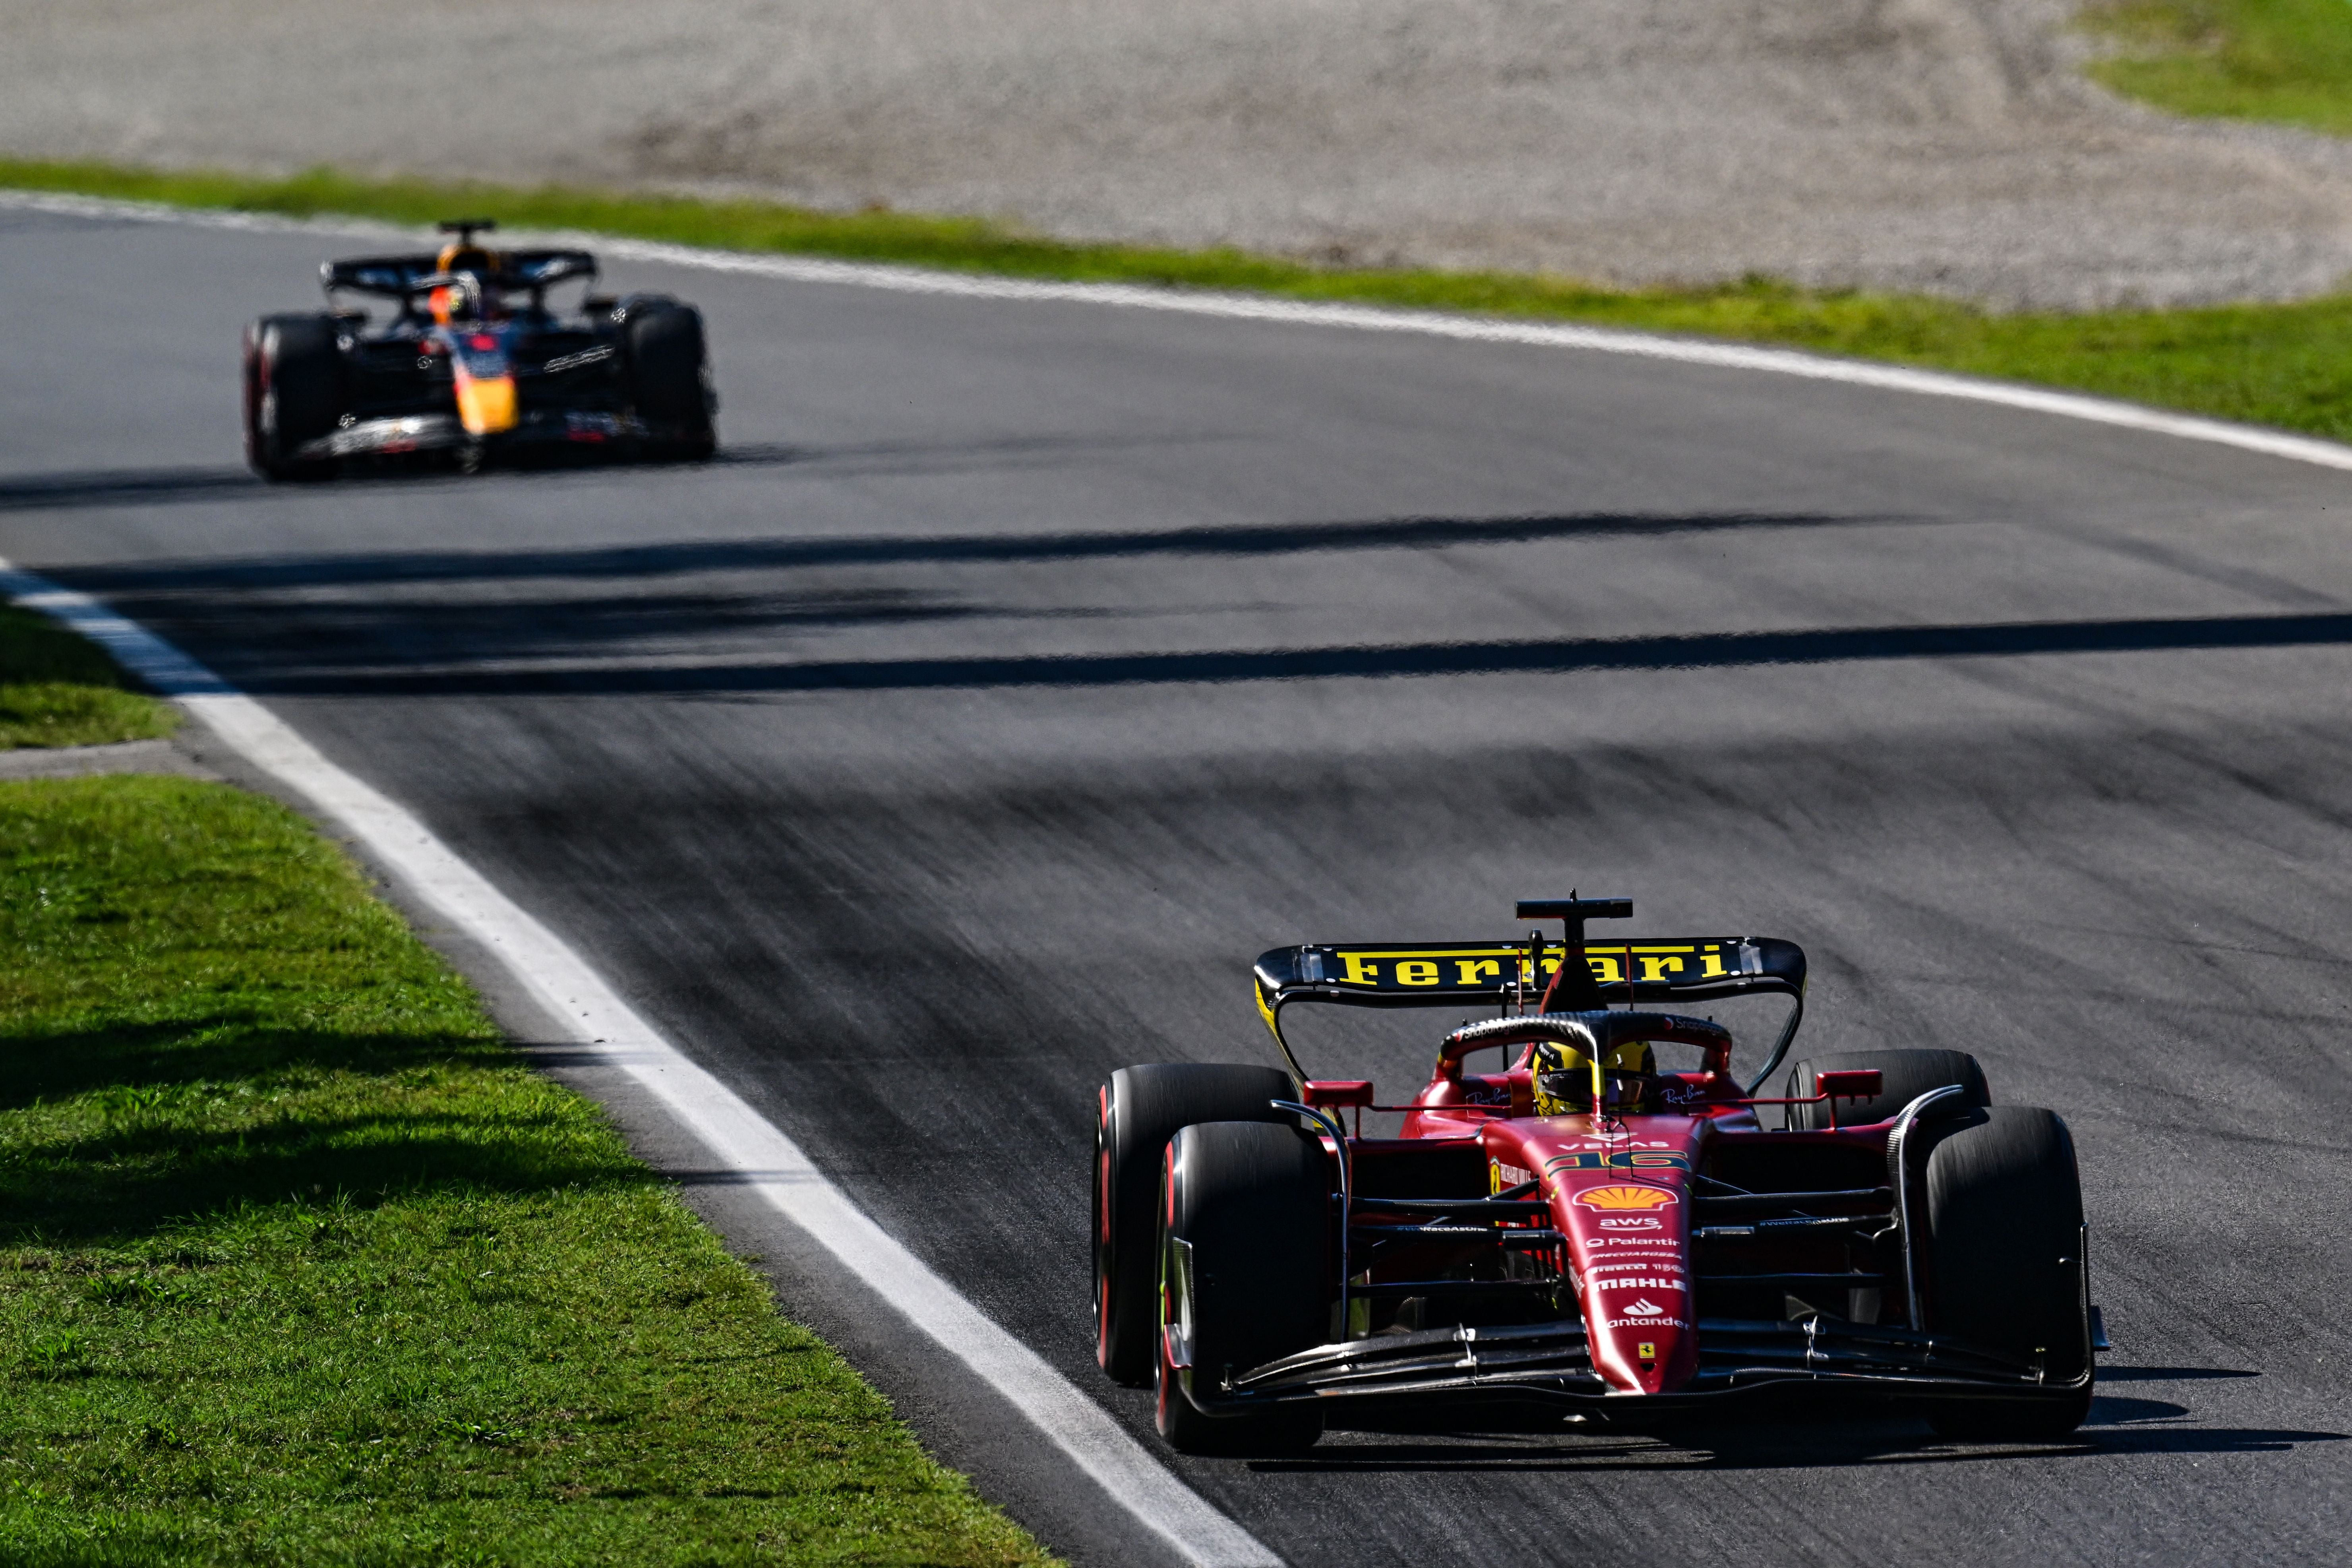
<point>1255,307</point>
<point>564,983</point>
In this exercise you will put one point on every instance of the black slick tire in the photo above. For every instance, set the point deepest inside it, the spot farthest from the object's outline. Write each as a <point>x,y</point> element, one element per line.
<point>2004,1248</point>
<point>669,377</point>
<point>1245,1271</point>
<point>1908,1075</point>
<point>294,394</point>
<point>1137,1112</point>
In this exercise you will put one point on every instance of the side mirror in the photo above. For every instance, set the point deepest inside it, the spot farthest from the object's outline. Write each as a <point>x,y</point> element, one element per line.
<point>1863,1083</point>
<point>1330,1093</point>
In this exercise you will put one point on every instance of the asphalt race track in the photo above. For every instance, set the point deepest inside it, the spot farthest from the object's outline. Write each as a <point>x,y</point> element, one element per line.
<point>1022,670</point>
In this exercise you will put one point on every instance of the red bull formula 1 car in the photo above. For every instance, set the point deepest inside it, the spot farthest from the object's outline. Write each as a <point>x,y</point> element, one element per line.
<point>1579,1229</point>
<point>475,362</point>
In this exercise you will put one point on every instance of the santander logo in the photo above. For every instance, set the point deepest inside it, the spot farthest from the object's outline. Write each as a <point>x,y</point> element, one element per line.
<point>1644,1307</point>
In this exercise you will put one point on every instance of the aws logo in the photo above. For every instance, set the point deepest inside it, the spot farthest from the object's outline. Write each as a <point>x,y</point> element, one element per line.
<point>1626,1200</point>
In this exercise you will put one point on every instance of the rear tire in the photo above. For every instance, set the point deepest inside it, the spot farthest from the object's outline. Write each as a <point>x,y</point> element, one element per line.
<point>1137,1112</point>
<point>670,378</point>
<point>293,393</point>
<point>2004,1247</point>
<point>1909,1075</point>
<point>1251,1205</point>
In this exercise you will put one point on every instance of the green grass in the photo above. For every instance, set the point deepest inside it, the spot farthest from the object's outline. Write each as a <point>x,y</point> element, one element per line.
<point>299,1265</point>
<point>2288,61</point>
<point>2287,365</point>
<point>56,689</point>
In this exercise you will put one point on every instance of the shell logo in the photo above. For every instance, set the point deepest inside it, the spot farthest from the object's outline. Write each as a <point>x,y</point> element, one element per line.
<point>1620,1200</point>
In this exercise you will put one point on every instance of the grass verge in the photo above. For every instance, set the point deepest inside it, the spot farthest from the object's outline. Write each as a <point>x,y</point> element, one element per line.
<point>299,1265</point>
<point>56,689</point>
<point>2288,61</point>
<point>2287,365</point>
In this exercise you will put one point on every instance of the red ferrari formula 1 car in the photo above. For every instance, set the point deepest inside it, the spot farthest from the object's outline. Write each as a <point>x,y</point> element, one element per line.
<point>1582,1230</point>
<point>475,362</point>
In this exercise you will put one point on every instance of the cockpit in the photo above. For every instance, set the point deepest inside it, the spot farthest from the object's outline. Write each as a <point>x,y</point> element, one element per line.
<point>469,292</point>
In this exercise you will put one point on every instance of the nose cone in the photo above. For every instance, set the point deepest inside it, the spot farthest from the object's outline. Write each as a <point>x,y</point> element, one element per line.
<point>1620,1197</point>
<point>1629,1247</point>
<point>485,405</point>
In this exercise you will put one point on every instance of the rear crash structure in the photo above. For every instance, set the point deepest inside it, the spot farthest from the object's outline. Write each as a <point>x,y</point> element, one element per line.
<point>1578,1230</point>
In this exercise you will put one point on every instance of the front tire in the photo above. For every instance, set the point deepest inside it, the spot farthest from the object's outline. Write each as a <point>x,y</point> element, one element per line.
<point>1137,1112</point>
<point>293,393</point>
<point>669,377</point>
<point>1244,1277</point>
<point>2005,1242</point>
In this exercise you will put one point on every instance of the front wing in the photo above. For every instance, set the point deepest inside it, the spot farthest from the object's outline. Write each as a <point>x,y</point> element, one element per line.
<point>392,435</point>
<point>1547,1365</point>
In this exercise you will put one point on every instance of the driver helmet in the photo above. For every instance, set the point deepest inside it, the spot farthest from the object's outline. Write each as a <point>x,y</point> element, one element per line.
<point>473,259</point>
<point>449,303</point>
<point>1563,1073</point>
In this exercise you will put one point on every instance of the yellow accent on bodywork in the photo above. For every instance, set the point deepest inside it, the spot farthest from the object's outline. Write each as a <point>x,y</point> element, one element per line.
<point>486,407</point>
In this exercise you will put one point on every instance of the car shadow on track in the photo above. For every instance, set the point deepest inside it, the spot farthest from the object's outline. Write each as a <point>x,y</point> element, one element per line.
<point>2117,1424</point>
<point>1915,1445</point>
<point>2108,1374</point>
